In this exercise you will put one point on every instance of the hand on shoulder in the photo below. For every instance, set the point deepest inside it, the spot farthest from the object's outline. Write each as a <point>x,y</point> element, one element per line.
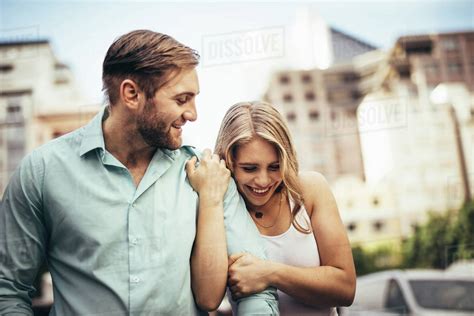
<point>210,178</point>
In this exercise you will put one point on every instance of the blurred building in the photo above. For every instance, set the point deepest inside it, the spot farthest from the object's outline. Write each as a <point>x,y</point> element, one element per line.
<point>369,212</point>
<point>38,101</point>
<point>320,107</point>
<point>444,58</point>
<point>421,137</point>
<point>312,43</point>
<point>393,132</point>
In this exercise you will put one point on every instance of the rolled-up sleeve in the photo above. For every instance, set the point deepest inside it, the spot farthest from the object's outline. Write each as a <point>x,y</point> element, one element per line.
<point>23,236</point>
<point>243,236</point>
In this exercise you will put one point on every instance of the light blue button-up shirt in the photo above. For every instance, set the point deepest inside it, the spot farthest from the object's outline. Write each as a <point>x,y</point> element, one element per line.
<point>112,248</point>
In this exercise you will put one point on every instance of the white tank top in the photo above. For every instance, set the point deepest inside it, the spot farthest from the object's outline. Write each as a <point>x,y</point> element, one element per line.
<point>296,249</point>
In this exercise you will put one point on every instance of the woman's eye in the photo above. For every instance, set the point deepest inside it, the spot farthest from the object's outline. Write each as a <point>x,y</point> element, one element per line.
<point>274,168</point>
<point>249,169</point>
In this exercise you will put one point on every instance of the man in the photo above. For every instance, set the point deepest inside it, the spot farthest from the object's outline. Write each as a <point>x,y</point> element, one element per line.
<point>110,208</point>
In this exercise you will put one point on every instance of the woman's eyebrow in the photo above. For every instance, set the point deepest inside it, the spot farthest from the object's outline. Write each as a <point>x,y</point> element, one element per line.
<point>255,163</point>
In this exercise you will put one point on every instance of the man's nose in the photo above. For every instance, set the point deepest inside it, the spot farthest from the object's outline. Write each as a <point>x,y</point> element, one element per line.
<point>190,114</point>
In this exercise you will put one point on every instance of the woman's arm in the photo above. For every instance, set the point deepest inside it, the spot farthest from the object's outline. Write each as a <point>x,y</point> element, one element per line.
<point>209,256</point>
<point>332,283</point>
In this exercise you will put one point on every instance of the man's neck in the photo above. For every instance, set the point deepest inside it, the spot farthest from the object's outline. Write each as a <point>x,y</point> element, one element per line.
<point>124,142</point>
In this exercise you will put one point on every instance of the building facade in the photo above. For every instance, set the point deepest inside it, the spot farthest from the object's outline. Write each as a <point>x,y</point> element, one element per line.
<point>393,132</point>
<point>38,101</point>
<point>320,107</point>
<point>421,142</point>
<point>443,58</point>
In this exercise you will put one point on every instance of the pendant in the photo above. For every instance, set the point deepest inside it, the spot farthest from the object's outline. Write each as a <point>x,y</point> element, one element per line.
<point>258,214</point>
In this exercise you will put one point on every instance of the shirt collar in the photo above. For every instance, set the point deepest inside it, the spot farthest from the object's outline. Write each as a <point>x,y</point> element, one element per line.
<point>92,136</point>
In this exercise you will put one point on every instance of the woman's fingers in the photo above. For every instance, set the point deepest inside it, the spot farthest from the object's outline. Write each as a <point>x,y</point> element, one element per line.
<point>191,165</point>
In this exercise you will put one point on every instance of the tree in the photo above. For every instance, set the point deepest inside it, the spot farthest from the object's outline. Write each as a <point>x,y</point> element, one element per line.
<point>442,240</point>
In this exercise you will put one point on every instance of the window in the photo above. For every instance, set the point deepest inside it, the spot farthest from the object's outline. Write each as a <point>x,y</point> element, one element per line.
<point>13,108</point>
<point>306,78</point>
<point>14,112</point>
<point>443,294</point>
<point>288,98</point>
<point>418,47</point>
<point>431,69</point>
<point>375,201</point>
<point>404,72</point>
<point>395,302</point>
<point>14,133</point>
<point>378,226</point>
<point>310,96</point>
<point>356,95</point>
<point>291,116</point>
<point>449,44</point>
<point>61,81</point>
<point>284,79</point>
<point>352,227</point>
<point>6,68</point>
<point>313,115</point>
<point>454,68</point>
<point>60,66</point>
<point>350,77</point>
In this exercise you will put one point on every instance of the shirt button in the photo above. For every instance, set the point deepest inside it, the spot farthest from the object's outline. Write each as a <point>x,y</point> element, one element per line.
<point>134,240</point>
<point>135,279</point>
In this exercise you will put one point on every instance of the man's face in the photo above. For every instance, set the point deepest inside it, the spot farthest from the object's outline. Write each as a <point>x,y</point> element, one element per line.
<point>161,119</point>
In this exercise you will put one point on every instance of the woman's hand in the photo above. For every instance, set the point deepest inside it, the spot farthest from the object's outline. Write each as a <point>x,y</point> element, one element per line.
<point>210,179</point>
<point>247,275</point>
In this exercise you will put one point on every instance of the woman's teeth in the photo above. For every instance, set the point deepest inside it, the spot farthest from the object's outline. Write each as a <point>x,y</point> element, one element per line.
<point>260,191</point>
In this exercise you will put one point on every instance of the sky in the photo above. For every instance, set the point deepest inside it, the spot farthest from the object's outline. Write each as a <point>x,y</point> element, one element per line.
<point>81,31</point>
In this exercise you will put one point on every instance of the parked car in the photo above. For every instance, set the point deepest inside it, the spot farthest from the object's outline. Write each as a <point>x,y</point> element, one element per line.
<point>413,292</point>
<point>465,267</point>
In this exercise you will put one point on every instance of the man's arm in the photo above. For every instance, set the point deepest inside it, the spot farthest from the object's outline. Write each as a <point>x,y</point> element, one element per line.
<point>22,236</point>
<point>243,236</point>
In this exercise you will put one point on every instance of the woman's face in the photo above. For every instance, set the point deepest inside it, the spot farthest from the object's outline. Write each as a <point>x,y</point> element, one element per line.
<point>257,171</point>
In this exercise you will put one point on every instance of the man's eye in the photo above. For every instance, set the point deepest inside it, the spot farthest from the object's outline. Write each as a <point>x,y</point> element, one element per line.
<point>181,101</point>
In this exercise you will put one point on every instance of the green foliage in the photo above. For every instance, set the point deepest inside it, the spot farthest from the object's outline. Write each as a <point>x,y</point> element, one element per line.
<point>462,235</point>
<point>443,239</point>
<point>381,258</point>
<point>429,244</point>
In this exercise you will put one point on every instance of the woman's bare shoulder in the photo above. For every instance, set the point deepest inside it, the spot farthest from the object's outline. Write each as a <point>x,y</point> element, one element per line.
<point>312,181</point>
<point>313,186</point>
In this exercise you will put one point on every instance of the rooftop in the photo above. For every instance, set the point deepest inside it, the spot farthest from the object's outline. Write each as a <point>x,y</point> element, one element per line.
<point>6,43</point>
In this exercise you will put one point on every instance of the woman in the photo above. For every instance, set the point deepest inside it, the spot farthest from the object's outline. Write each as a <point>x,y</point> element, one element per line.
<point>309,255</point>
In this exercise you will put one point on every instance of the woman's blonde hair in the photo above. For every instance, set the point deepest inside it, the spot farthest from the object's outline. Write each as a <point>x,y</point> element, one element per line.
<point>246,120</point>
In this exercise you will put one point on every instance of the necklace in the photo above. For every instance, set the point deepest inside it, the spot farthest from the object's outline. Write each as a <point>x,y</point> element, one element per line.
<point>259,215</point>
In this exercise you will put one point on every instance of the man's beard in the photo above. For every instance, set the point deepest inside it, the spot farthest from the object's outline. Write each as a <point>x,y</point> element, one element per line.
<point>154,129</point>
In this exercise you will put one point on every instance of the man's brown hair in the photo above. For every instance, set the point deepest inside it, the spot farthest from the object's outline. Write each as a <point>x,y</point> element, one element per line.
<point>146,57</point>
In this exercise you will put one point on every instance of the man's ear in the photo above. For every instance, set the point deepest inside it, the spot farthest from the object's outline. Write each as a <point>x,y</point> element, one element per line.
<point>130,94</point>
